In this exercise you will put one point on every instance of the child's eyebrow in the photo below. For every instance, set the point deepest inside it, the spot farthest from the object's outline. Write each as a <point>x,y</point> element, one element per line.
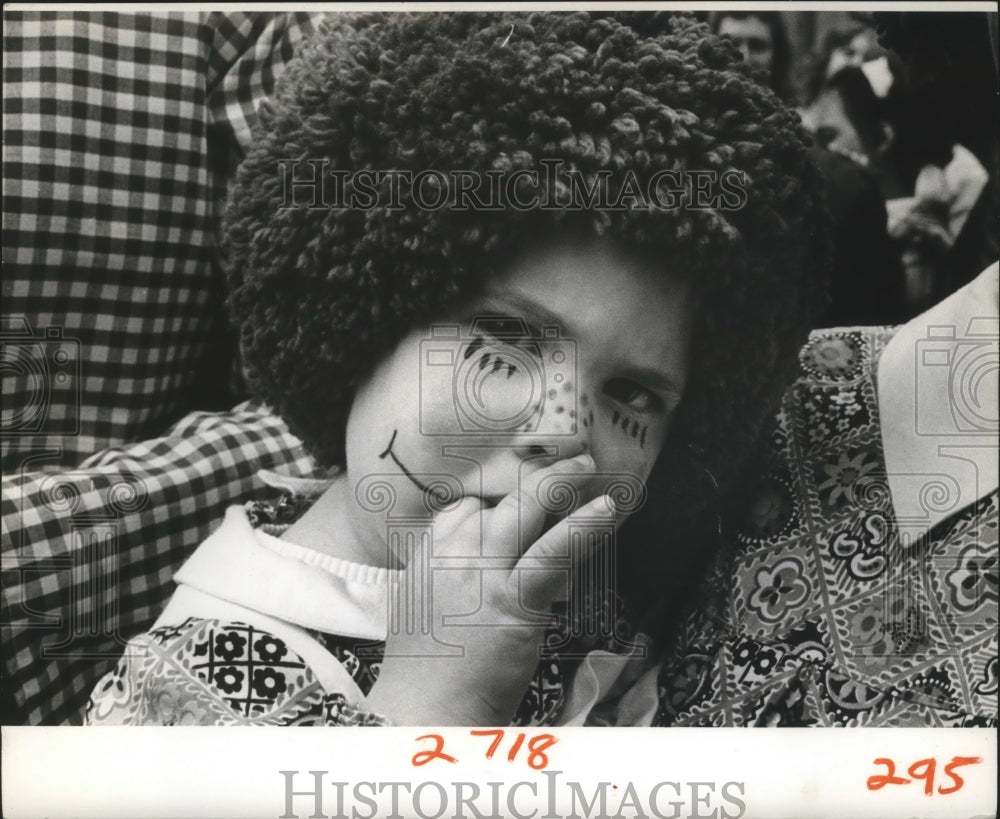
<point>535,314</point>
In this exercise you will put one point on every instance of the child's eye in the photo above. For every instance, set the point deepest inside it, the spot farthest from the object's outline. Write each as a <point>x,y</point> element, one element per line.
<point>632,395</point>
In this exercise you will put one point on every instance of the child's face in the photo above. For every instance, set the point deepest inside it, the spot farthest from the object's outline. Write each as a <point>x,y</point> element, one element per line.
<point>599,364</point>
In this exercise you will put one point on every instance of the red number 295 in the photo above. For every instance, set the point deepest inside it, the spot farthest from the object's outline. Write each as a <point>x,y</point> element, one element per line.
<point>923,770</point>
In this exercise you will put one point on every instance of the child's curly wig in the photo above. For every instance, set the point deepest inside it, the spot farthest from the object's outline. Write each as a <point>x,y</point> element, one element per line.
<point>320,295</point>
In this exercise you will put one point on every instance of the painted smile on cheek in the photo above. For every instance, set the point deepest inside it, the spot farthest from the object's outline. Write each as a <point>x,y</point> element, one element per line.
<point>402,467</point>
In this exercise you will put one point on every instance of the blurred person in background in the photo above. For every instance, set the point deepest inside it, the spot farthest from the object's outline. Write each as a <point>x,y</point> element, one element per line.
<point>848,124</point>
<point>921,118</point>
<point>944,153</point>
<point>762,39</point>
<point>844,46</point>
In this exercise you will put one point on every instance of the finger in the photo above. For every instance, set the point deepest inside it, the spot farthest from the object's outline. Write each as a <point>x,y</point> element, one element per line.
<point>450,519</point>
<point>517,520</point>
<point>460,533</point>
<point>543,574</point>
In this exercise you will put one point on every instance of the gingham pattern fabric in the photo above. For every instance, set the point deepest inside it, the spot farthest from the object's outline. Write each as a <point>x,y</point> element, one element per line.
<point>88,553</point>
<point>119,131</point>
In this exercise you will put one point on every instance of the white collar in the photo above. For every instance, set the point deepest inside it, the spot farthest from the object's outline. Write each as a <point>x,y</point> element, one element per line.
<point>937,398</point>
<point>245,566</point>
<point>275,577</point>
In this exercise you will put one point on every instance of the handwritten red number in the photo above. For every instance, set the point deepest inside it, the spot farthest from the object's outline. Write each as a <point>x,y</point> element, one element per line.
<point>515,747</point>
<point>537,759</point>
<point>924,769</point>
<point>949,770</point>
<point>497,733</point>
<point>423,757</point>
<point>876,783</point>
<point>537,746</point>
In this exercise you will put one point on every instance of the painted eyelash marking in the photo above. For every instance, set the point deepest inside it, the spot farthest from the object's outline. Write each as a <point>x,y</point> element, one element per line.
<point>498,364</point>
<point>470,351</point>
<point>629,426</point>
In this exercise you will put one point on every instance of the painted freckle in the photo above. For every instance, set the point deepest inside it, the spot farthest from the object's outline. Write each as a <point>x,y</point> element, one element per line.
<point>635,428</point>
<point>552,393</point>
<point>624,424</point>
<point>567,386</point>
<point>584,400</point>
<point>615,417</point>
<point>559,409</point>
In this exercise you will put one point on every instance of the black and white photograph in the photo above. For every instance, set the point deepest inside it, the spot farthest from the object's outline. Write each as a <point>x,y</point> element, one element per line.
<point>492,375</point>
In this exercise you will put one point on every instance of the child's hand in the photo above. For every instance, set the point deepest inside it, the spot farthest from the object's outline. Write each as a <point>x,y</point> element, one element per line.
<point>498,635</point>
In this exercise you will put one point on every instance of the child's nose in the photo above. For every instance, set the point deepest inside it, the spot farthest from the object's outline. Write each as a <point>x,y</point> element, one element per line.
<point>556,431</point>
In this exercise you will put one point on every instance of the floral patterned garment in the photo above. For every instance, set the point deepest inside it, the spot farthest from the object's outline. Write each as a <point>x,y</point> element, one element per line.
<point>821,613</point>
<point>209,672</point>
<point>205,672</point>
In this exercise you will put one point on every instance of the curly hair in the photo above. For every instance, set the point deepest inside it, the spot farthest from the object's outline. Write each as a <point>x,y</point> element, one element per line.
<point>320,295</point>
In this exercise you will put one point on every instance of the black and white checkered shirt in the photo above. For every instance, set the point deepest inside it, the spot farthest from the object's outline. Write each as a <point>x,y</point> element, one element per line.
<point>89,552</point>
<point>119,132</point>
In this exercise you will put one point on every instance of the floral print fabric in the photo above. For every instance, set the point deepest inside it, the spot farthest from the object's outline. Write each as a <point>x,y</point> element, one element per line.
<point>820,613</point>
<point>209,672</point>
<point>206,672</point>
